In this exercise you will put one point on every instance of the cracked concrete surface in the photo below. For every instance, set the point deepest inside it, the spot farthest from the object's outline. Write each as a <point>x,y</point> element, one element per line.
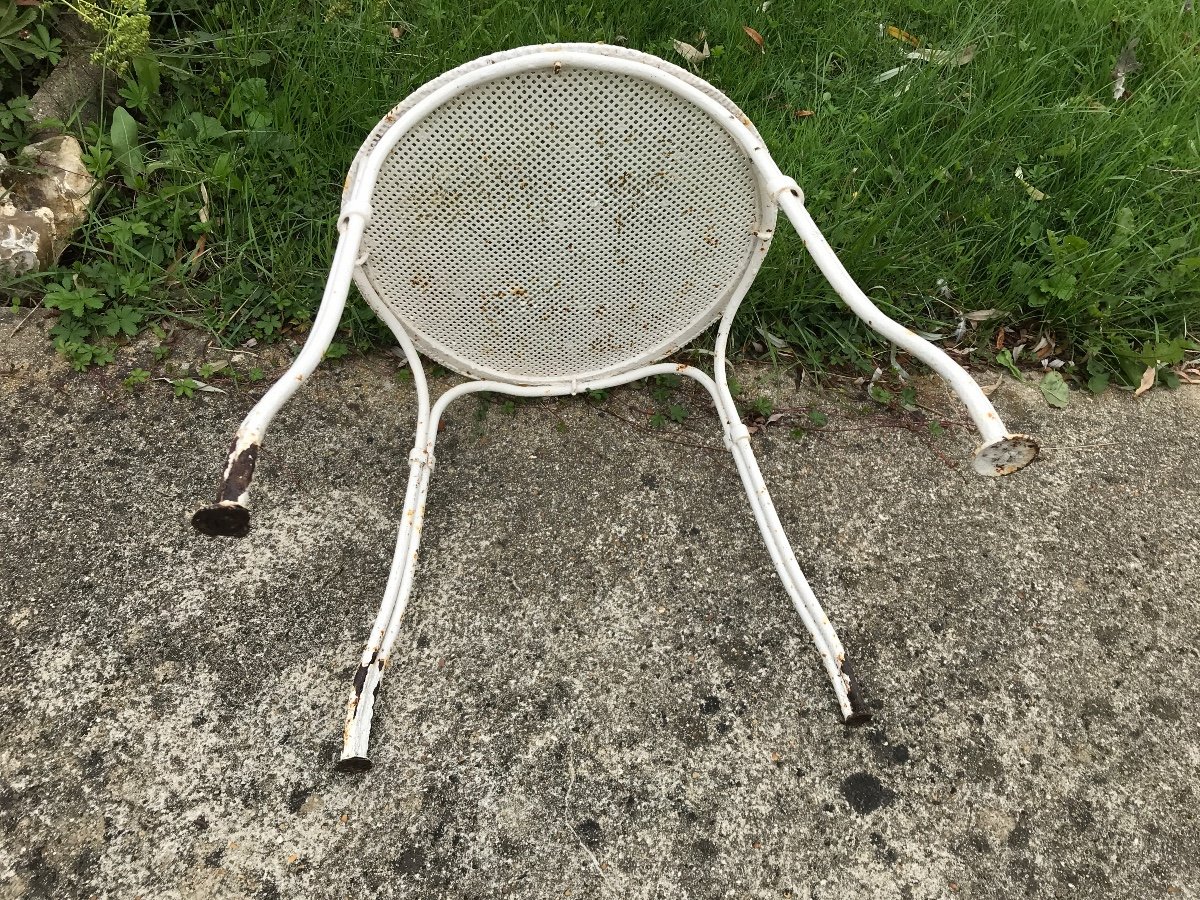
<point>601,689</point>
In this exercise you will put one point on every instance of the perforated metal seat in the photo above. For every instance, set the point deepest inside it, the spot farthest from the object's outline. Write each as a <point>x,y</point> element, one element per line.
<point>569,223</point>
<point>557,219</point>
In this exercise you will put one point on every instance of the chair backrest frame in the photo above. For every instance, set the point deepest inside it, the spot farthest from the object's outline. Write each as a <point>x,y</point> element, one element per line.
<point>362,180</point>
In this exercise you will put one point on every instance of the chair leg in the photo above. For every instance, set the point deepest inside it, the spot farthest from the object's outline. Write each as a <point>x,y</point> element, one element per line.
<point>833,655</point>
<point>737,439</point>
<point>230,514</point>
<point>361,705</point>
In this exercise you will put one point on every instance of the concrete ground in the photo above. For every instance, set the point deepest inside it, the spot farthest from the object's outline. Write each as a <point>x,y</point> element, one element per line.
<point>601,689</point>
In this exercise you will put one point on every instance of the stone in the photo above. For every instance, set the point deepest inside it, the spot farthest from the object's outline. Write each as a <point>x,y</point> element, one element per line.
<point>46,195</point>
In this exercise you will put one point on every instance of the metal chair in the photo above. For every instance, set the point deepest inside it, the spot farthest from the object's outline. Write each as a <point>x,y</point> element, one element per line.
<point>557,219</point>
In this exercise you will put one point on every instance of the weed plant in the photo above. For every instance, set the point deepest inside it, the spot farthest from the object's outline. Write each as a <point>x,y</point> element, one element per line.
<point>222,173</point>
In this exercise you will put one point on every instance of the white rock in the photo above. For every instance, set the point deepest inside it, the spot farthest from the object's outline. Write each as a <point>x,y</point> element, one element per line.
<point>46,197</point>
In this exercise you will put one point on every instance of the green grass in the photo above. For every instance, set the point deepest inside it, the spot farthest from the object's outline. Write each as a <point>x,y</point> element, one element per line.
<point>912,190</point>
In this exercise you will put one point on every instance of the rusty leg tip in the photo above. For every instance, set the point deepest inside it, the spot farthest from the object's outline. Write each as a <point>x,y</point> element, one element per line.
<point>859,714</point>
<point>1005,456</point>
<point>858,717</point>
<point>225,519</point>
<point>355,765</point>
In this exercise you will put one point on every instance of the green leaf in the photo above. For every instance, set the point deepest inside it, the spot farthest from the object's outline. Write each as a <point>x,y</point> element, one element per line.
<point>123,135</point>
<point>69,330</point>
<point>145,67</point>
<point>1123,230</point>
<point>1097,383</point>
<point>1073,246</point>
<point>1065,149</point>
<point>75,300</point>
<point>202,128</point>
<point>1168,352</point>
<point>119,319</point>
<point>677,413</point>
<point>1060,284</point>
<point>1004,358</point>
<point>134,94</point>
<point>1054,389</point>
<point>136,377</point>
<point>818,418</point>
<point>184,387</point>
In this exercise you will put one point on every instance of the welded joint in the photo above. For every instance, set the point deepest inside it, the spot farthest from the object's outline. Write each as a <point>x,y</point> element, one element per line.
<point>354,207</point>
<point>738,432</point>
<point>784,184</point>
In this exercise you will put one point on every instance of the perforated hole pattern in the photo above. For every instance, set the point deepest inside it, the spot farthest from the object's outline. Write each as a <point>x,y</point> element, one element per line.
<point>556,223</point>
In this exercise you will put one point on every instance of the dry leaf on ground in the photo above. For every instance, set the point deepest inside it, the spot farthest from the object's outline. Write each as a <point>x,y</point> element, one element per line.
<point>193,383</point>
<point>889,74</point>
<point>981,315</point>
<point>691,54</point>
<point>929,55</point>
<point>1029,188</point>
<point>755,36</point>
<point>773,340</point>
<point>1147,381</point>
<point>943,57</point>
<point>901,35</point>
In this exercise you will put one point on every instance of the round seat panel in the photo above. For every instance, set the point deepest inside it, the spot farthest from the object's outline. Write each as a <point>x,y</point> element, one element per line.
<point>560,222</point>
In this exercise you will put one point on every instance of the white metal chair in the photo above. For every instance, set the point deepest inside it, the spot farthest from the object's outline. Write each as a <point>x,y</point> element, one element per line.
<point>557,219</point>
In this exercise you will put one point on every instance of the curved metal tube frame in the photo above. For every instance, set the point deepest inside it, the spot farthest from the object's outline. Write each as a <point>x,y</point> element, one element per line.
<point>1000,454</point>
<point>737,438</point>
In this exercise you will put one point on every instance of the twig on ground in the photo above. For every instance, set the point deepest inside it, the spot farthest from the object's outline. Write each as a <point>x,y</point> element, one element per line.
<point>21,324</point>
<point>659,436</point>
